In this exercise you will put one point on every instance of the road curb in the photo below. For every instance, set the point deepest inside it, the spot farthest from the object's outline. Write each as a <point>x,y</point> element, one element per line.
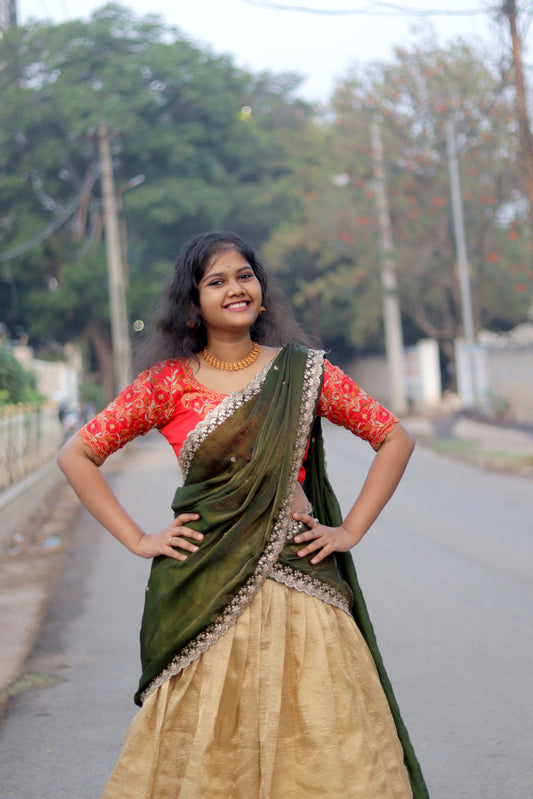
<point>19,501</point>
<point>28,574</point>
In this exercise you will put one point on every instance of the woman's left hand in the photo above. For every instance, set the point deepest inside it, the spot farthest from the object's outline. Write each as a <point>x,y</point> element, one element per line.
<point>322,540</point>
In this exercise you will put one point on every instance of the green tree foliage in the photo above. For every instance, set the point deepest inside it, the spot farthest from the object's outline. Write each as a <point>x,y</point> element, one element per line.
<point>16,383</point>
<point>332,238</point>
<point>209,138</point>
<point>324,265</point>
<point>432,85</point>
<point>220,147</point>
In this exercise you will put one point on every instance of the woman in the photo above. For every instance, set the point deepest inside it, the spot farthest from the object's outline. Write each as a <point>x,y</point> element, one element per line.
<point>261,676</point>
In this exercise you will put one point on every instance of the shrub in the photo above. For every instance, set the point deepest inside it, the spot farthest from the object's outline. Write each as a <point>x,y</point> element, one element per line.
<point>16,383</point>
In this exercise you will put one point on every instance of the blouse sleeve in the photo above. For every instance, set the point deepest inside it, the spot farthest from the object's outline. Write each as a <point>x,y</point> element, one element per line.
<point>344,403</point>
<point>147,403</point>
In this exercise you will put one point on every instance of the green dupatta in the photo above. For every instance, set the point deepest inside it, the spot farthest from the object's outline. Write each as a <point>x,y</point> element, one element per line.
<point>240,470</point>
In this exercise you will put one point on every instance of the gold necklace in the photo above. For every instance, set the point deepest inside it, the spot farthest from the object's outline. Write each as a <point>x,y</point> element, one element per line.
<point>216,363</point>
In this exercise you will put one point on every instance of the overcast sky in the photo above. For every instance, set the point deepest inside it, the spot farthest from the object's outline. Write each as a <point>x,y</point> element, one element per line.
<point>321,47</point>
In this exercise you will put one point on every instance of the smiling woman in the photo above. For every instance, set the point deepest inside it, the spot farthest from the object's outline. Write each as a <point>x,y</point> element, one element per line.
<point>261,676</point>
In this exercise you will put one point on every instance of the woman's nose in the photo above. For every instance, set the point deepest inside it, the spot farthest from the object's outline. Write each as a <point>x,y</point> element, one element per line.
<point>234,287</point>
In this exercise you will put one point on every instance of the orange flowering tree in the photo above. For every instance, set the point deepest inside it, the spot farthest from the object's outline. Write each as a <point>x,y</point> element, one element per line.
<point>332,240</point>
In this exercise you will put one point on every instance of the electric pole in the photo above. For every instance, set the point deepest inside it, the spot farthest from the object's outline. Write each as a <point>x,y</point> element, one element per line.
<point>8,15</point>
<point>526,140</point>
<point>462,261</point>
<point>391,307</point>
<point>120,340</point>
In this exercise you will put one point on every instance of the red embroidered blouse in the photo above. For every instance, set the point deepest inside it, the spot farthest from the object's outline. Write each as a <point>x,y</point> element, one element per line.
<point>169,398</point>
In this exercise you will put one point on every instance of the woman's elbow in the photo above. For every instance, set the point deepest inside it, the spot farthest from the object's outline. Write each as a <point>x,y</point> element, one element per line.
<point>65,456</point>
<point>402,438</point>
<point>410,441</point>
<point>72,454</point>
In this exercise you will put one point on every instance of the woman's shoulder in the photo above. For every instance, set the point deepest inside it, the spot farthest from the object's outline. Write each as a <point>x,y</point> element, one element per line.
<point>169,369</point>
<point>165,381</point>
<point>301,347</point>
<point>336,376</point>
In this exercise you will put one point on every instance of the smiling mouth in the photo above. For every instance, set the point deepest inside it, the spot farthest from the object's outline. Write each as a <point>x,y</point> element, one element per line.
<point>237,305</point>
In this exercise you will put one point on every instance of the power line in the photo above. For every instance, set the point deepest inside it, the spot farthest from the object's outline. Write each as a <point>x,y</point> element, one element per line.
<point>375,8</point>
<point>69,209</point>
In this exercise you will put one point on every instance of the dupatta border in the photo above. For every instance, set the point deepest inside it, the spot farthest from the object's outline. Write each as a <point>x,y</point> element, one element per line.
<point>312,586</point>
<point>306,583</point>
<point>311,382</point>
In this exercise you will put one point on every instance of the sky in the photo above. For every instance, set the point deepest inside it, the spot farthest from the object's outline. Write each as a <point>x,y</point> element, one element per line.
<point>321,47</point>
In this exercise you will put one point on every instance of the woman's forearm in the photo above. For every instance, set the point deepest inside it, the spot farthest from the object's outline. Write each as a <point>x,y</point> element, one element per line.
<point>383,477</point>
<point>388,465</point>
<point>82,471</point>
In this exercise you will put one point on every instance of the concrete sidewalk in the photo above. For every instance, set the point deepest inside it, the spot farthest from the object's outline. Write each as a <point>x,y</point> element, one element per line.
<point>29,568</point>
<point>29,565</point>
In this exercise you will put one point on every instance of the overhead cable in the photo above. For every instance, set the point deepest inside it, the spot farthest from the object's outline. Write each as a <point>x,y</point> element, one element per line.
<point>375,8</point>
<point>67,211</point>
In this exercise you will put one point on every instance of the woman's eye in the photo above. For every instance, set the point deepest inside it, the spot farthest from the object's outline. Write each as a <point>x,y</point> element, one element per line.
<point>246,275</point>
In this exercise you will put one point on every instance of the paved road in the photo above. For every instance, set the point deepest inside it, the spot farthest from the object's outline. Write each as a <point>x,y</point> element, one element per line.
<point>447,575</point>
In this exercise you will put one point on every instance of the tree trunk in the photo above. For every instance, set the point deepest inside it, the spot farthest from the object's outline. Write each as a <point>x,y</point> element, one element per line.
<point>314,304</point>
<point>98,337</point>
<point>526,140</point>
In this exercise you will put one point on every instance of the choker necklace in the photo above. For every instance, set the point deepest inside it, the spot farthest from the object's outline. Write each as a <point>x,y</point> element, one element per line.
<point>216,363</point>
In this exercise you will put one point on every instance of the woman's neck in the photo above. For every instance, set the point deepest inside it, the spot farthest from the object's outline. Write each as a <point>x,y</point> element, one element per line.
<point>229,349</point>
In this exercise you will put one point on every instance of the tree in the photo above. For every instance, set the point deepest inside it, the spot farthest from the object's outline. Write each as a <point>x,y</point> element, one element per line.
<point>16,383</point>
<point>180,116</point>
<point>321,262</point>
<point>220,147</point>
<point>335,254</point>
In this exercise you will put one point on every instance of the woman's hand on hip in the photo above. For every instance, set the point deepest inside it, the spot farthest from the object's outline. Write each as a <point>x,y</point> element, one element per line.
<point>175,541</point>
<point>320,540</point>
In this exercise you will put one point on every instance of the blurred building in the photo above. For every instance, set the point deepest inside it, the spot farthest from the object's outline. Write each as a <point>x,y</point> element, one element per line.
<point>8,14</point>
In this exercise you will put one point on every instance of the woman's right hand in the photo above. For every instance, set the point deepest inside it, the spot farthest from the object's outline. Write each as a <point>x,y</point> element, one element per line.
<point>171,540</point>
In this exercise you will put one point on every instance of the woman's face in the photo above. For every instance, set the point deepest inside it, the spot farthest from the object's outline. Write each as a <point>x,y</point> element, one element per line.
<point>229,293</point>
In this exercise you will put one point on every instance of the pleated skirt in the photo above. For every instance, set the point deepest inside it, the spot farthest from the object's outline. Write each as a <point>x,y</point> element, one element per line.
<point>286,705</point>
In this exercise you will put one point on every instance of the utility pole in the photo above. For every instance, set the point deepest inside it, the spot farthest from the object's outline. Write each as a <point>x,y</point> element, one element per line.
<point>115,271</point>
<point>526,140</point>
<point>462,262</point>
<point>8,15</point>
<point>391,306</point>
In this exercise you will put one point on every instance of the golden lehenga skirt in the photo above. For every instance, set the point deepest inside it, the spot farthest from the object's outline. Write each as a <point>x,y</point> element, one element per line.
<point>286,705</point>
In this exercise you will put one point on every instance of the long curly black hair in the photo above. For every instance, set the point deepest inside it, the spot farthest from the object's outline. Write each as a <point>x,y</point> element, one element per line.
<point>178,330</point>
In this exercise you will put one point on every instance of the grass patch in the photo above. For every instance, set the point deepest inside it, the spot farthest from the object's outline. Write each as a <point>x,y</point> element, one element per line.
<point>470,451</point>
<point>25,682</point>
<point>513,461</point>
<point>452,446</point>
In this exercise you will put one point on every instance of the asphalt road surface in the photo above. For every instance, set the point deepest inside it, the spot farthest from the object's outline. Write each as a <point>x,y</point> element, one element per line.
<point>447,573</point>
